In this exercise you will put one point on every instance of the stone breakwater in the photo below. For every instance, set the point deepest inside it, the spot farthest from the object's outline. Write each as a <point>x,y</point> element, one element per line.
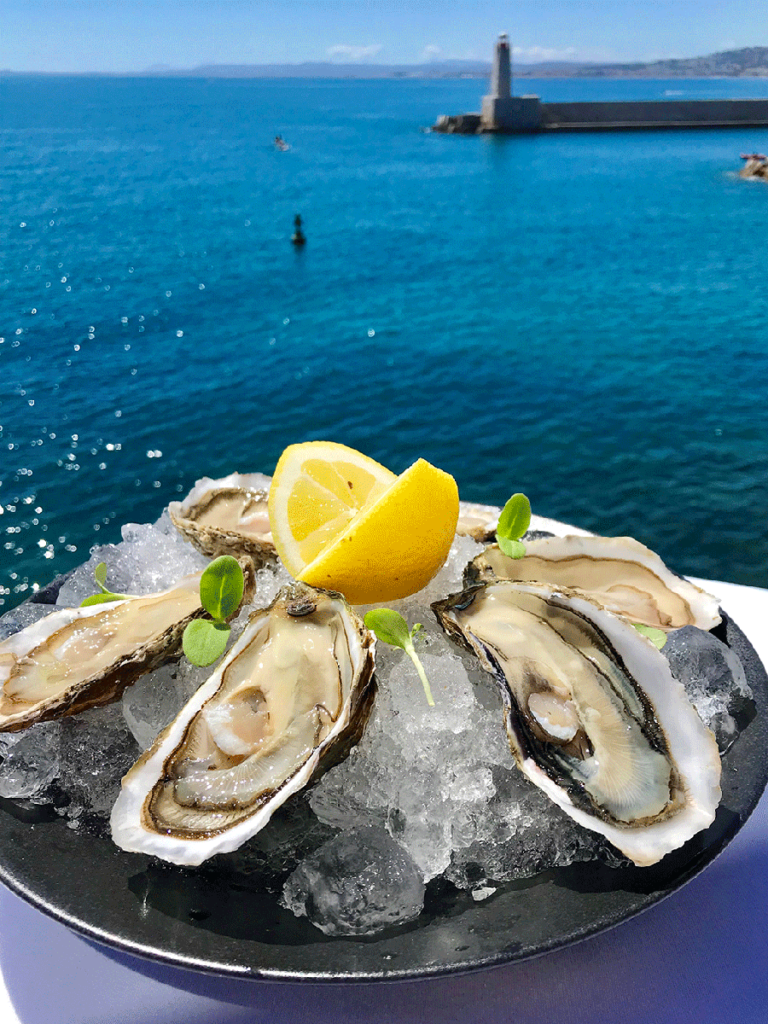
<point>528,114</point>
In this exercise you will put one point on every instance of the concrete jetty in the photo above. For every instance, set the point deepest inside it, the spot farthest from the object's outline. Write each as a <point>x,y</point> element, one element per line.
<point>506,114</point>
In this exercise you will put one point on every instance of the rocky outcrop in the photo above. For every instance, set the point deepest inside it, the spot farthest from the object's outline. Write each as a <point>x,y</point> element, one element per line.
<point>755,167</point>
<point>458,124</point>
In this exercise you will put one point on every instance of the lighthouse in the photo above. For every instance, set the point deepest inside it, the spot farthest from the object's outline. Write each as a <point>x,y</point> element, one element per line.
<point>501,111</point>
<point>501,75</point>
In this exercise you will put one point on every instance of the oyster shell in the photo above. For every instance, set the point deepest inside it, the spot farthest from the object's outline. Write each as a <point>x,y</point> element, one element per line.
<point>77,658</point>
<point>618,572</point>
<point>291,698</point>
<point>477,521</point>
<point>227,517</point>
<point>593,714</point>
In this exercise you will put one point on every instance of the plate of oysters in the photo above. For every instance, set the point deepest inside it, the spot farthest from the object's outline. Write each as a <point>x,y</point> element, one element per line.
<point>561,731</point>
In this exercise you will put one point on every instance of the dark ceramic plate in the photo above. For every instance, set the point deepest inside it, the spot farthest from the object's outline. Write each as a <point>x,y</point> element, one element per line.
<point>220,920</point>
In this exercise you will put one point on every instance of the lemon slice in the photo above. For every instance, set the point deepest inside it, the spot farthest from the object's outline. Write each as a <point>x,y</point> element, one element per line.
<point>317,490</point>
<point>341,521</point>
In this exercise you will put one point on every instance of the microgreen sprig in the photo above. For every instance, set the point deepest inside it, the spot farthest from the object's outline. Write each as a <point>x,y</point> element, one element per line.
<point>390,627</point>
<point>657,636</point>
<point>100,575</point>
<point>514,521</point>
<point>221,591</point>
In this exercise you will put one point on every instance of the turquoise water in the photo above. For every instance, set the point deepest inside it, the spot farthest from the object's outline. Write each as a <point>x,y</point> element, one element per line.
<point>581,317</point>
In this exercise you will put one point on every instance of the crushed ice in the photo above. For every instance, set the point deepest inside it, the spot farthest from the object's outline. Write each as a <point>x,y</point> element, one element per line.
<point>428,791</point>
<point>152,557</point>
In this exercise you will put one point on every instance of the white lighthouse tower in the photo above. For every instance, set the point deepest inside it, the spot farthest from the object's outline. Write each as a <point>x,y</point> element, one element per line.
<point>501,75</point>
<point>501,111</point>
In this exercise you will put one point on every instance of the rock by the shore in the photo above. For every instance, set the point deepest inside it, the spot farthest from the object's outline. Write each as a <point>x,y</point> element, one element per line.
<point>458,124</point>
<point>754,167</point>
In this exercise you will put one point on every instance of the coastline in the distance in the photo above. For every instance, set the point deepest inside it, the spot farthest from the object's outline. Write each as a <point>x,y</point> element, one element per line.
<point>748,62</point>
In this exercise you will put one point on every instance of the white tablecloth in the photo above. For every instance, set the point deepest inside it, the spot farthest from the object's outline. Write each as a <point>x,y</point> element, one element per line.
<point>698,957</point>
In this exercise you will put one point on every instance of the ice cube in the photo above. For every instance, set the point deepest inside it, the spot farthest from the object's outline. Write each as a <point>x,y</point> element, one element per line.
<point>356,884</point>
<point>97,749</point>
<point>268,582</point>
<point>523,833</point>
<point>21,616</point>
<point>483,892</point>
<point>31,763</point>
<point>155,699</point>
<point>150,558</point>
<point>293,833</point>
<point>713,677</point>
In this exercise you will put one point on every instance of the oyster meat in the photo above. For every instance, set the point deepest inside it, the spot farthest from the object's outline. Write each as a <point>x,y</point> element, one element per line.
<point>227,517</point>
<point>290,698</point>
<point>617,572</point>
<point>77,658</point>
<point>593,714</point>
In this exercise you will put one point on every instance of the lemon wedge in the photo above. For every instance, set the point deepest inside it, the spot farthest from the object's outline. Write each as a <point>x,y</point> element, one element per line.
<point>341,521</point>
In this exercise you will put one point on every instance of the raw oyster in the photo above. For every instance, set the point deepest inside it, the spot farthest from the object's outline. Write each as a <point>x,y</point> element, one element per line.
<point>77,658</point>
<point>593,714</point>
<point>291,697</point>
<point>617,572</point>
<point>227,517</point>
<point>477,521</point>
<point>480,522</point>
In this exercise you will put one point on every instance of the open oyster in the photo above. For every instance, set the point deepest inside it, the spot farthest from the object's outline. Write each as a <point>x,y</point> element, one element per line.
<point>77,658</point>
<point>290,699</point>
<point>227,517</point>
<point>593,714</point>
<point>477,521</point>
<point>618,572</point>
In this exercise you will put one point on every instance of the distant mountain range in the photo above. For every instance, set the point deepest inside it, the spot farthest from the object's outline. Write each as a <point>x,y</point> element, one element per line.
<point>752,61</point>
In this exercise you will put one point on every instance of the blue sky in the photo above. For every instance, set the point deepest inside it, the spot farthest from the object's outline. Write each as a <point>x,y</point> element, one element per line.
<point>131,35</point>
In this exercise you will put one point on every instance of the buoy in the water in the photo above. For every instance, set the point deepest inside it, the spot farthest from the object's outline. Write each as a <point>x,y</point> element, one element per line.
<point>298,237</point>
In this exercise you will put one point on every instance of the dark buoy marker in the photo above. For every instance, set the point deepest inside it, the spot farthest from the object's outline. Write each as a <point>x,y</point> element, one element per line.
<point>298,237</point>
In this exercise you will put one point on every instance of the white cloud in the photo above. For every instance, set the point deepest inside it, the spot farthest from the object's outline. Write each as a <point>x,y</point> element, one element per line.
<point>354,52</point>
<point>430,52</point>
<point>540,53</point>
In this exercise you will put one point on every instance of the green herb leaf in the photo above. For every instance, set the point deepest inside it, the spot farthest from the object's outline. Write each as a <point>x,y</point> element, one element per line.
<point>104,598</point>
<point>389,626</point>
<point>221,588</point>
<point>204,641</point>
<point>422,674</point>
<point>657,636</point>
<point>100,575</point>
<point>515,518</point>
<point>512,548</point>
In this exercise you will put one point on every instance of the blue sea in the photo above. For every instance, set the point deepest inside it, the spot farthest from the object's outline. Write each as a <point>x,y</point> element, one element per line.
<point>579,317</point>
